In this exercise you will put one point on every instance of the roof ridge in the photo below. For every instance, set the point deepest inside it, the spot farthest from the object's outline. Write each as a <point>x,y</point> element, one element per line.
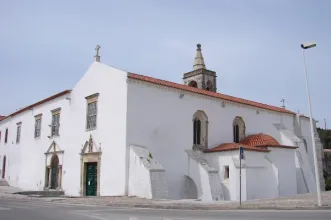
<point>208,93</point>
<point>49,98</point>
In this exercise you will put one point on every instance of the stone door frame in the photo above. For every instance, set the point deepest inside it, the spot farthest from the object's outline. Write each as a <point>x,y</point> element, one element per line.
<point>48,173</point>
<point>91,157</point>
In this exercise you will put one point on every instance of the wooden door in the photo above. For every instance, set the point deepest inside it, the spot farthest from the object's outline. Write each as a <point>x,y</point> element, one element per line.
<point>91,182</point>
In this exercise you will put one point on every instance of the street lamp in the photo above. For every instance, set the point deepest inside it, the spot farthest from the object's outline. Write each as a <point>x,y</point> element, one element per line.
<point>317,179</point>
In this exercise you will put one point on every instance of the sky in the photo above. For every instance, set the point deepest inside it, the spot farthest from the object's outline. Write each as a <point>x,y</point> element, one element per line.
<point>254,46</point>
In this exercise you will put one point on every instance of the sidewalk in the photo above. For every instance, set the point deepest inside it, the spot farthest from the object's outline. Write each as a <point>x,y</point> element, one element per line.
<point>7,192</point>
<point>303,201</point>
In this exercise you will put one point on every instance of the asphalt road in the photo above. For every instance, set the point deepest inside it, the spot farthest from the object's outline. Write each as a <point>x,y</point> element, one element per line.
<point>39,210</point>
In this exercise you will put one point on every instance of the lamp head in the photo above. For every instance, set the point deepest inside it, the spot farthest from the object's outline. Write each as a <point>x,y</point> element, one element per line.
<point>308,45</point>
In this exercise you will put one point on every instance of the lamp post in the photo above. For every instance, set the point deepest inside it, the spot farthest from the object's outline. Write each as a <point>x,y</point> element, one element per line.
<point>317,179</point>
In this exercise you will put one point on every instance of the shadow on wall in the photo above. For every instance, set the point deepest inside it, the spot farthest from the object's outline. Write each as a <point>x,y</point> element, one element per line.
<point>191,191</point>
<point>226,192</point>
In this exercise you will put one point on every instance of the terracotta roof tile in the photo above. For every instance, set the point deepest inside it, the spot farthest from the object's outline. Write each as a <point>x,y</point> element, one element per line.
<point>257,142</point>
<point>2,117</point>
<point>39,103</point>
<point>235,146</point>
<point>207,93</point>
<point>263,140</point>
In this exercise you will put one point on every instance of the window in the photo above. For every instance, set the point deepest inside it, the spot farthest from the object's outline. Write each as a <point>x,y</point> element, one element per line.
<point>238,129</point>
<point>6,136</point>
<point>91,122</point>
<point>18,133</point>
<point>91,111</point>
<point>55,122</point>
<point>236,133</point>
<point>196,131</point>
<point>200,130</point>
<point>37,126</point>
<point>209,86</point>
<point>226,172</point>
<point>193,84</point>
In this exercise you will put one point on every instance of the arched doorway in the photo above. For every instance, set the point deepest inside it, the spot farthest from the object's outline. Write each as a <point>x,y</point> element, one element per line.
<point>54,171</point>
<point>4,167</point>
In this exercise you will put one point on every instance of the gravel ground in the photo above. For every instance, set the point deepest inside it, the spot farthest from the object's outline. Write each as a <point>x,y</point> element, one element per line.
<point>303,201</point>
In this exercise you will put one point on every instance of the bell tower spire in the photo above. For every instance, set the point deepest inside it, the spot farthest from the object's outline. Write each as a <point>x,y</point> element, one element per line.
<point>200,77</point>
<point>199,63</point>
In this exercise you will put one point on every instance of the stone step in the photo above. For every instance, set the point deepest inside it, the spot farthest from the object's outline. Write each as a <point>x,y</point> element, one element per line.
<point>44,193</point>
<point>3,182</point>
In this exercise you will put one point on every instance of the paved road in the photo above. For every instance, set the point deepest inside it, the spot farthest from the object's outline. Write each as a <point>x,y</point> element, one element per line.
<point>11,209</point>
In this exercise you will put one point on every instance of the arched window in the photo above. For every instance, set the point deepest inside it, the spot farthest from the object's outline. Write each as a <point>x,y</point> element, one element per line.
<point>193,84</point>
<point>6,136</point>
<point>236,133</point>
<point>200,130</point>
<point>238,129</point>
<point>209,86</point>
<point>306,146</point>
<point>196,131</point>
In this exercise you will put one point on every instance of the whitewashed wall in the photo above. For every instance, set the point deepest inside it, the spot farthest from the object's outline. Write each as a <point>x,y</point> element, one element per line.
<point>139,179</point>
<point>305,130</point>
<point>284,160</point>
<point>160,120</point>
<point>110,134</point>
<point>229,186</point>
<point>261,180</point>
<point>26,160</point>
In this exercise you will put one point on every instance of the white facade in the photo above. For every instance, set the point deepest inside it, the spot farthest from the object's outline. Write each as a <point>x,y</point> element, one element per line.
<point>143,144</point>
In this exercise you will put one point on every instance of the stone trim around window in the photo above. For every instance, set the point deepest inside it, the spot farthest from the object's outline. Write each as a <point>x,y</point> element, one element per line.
<point>92,98</point>
<point>239,133</point>
<point>56,111</point>
<point>203,118</point>
<point>38,116</point>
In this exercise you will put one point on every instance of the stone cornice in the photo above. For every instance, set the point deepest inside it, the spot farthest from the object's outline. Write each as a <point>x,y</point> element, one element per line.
<point>198,72</point>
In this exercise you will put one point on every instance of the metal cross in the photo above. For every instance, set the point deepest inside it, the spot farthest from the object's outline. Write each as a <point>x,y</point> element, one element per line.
<point>97,49</point>
<point>283,101</point>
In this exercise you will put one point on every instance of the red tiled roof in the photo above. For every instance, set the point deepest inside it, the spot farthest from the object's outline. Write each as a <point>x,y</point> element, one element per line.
<point>260,140</point>
<point>235,146</point>
<point>39,103</point>
<point>257,142</point>
<point>263,140</point>
<point>2,117</point>
<point>207,93</point>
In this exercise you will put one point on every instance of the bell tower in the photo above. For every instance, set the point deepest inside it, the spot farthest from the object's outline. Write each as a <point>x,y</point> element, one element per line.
<point>200,77</point>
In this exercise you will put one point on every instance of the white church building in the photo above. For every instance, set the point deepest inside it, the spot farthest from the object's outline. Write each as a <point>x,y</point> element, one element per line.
<point>118,133</point>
